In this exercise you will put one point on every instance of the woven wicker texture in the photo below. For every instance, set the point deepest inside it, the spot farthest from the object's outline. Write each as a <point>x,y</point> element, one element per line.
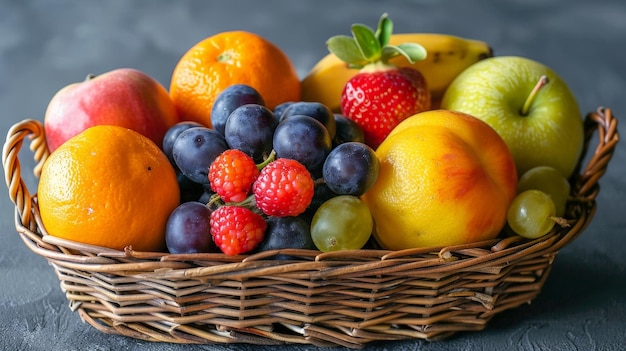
<point>324,299</point>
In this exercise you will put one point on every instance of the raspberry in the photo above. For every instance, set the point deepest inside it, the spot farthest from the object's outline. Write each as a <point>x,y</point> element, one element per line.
<point>236,229</point>
<point>284,188</point>
<point>232,174</point>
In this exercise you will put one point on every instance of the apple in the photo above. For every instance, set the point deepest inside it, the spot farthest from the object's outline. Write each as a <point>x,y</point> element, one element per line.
<point>528,104</point>
<point>124,97</point>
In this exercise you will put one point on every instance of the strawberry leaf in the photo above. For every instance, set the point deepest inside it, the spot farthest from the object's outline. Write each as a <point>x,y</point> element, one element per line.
<point>366,42</point>
<point>367,47</point>
<point>346,49</point>
<point>384,30</point>
<point>411,51</point>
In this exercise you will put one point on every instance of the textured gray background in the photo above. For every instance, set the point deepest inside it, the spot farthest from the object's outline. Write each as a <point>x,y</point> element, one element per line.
<point>45,45</point>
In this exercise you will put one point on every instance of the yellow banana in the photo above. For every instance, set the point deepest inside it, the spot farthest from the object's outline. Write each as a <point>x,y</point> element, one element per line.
<point>447,56</point>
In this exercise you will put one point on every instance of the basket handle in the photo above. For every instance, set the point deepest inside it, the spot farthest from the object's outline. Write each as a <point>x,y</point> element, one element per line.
<point>602,121</point>
<point>18,191</point>
<point>586,187</point>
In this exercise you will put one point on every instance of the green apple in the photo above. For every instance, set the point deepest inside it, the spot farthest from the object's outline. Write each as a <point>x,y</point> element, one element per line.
<point>528,104</point>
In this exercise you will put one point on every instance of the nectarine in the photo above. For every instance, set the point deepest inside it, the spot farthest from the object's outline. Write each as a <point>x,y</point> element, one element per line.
<point>446,178</point>
<point>124,97</point>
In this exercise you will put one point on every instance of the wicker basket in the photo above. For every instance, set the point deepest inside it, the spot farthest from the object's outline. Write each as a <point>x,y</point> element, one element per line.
<point>323,299</point>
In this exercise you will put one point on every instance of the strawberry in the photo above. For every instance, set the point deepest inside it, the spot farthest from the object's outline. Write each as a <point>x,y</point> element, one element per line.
<point>381,95</point>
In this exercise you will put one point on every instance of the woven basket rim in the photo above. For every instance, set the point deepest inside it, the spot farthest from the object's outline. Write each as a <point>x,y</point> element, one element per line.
<point>497,257</point>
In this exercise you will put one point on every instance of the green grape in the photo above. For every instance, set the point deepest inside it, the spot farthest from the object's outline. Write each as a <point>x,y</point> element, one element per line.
<point>342,223</point>
<point>531,214</point>
<point>548,180</point>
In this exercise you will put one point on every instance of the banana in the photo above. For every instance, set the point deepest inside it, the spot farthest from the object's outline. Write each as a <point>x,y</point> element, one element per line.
<point>447,56</point>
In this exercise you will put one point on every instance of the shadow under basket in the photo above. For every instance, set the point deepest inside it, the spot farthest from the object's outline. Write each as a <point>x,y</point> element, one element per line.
<point>347,298</point>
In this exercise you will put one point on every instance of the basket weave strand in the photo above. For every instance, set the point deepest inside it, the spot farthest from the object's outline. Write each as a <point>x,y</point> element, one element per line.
<point>347,298</point>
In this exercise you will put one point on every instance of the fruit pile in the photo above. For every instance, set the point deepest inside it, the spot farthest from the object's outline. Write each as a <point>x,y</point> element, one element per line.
<point>259,172</point>
<point>392,140</point>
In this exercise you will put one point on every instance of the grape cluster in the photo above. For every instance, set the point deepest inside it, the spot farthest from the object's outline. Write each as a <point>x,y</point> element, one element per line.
<point>540,202</point>
<point>262,179</point>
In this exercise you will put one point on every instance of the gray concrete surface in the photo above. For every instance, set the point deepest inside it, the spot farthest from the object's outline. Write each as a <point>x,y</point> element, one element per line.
<point>45,45</point>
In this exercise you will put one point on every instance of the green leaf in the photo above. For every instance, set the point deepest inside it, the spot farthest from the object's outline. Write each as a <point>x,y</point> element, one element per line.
<point>413,52</point>
<point>384,30</point>
<point>346,49</point>
<point>366,42</point>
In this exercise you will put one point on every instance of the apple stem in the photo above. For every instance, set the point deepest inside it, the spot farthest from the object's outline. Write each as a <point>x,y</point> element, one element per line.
<point>90,76</point>
<point>543,80</point>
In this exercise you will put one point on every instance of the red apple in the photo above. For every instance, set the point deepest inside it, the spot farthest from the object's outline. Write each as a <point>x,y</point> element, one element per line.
<point>124,97</point>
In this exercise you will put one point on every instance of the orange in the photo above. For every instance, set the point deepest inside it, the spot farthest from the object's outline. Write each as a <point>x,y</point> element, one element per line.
<point>445,178</point>
<point>228,58</point>
<point>108,186</point>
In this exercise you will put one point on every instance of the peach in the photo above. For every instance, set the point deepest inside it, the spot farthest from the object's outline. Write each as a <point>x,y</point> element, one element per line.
<point>124,97</point>
<point>446,178</point>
